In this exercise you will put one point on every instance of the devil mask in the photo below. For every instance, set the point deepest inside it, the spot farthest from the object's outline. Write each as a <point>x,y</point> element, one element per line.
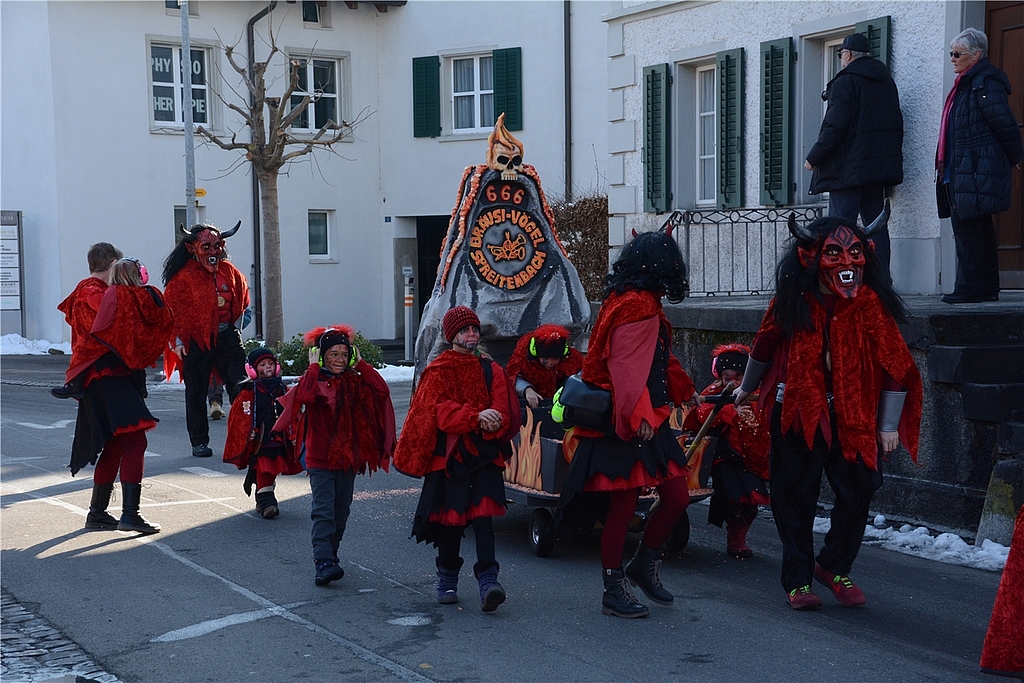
<point>842,262</point>
<point>207,245</point>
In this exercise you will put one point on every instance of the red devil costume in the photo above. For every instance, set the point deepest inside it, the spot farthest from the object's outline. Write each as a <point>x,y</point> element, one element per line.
<point>208,296</point>
<point>252,442</point>
<point>444,440</point>
<point>1003,653</point>
<point>347,428</point>
<point>630,355</point>
<point>133,324</point>
<point>740,466</point>
<point>836,380</point>
<point>524,368</point>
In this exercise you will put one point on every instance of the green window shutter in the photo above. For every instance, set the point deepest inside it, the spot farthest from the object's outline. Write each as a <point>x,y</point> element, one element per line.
<point>879,33</point>
<point>508,86</point>
<point>776,122</point>
<point>426,97</point>
<point>729,69</point>
<point>656,121</point>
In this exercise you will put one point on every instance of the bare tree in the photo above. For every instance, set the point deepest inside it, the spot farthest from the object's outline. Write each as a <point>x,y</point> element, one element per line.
<point>272,144</point>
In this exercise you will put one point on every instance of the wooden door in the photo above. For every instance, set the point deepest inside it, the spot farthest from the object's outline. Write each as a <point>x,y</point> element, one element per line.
<point>1004,24</point>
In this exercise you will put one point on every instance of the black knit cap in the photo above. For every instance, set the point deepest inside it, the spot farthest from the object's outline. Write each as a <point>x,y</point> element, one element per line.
<point>856,42</point>
<point>550,348</point>
<point>332,337</point>
<point>259,353</point>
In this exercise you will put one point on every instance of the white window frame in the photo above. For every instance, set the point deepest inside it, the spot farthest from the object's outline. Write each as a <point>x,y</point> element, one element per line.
<point>343,111</point>
<point>701,155</point>
<point>323,15</point>
<point>685,123</point>
<point>212,77</point>
<point>330,256</point>
<point>193,9</point>
<point>830,66</point>
<point>477,93</point>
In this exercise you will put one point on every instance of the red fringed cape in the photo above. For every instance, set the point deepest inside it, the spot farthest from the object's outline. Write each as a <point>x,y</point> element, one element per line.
<point>545,382</point>
<point>348,422</point>
<point>746,433</point>
<point>450,395</point>
<point>865,344</point>
<point>79,310</point>
<point>633,317</point>
<point>135,323</point>
<point>1003,653</point>
<point>243,441</point>
<point>192,295</point>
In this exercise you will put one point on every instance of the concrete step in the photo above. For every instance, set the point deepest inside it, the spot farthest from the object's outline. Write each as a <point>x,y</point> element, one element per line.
<point>992,402</point>
<point>980,364</point>
<point>1011,438</point>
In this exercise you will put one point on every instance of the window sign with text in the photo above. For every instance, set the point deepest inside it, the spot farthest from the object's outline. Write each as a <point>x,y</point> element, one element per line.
<point>168,89</point>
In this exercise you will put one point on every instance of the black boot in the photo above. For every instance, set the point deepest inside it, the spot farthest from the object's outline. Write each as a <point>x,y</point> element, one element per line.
<point>131,520</point>
<point>98,517</point>
<point>642,571</point>
<point>447,582</point>
<point>491,592</point>
<point>618,599</point>
<point>266,503</point>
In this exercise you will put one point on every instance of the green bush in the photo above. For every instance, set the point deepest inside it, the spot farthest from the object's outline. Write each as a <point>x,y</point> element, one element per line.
<point>294,357</point>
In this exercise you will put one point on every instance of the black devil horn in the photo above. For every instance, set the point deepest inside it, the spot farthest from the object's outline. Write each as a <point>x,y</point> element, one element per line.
<point>879,223</point>
<point>232,231</point>
<point>799,231</point>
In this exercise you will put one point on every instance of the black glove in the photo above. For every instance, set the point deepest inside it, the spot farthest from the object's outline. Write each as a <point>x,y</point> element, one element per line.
<point>250,480</point>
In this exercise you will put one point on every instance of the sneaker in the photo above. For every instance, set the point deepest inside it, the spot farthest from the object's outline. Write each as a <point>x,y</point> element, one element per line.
<point>327,571</point>
<point>202,451</point>
<point>802,598</point>
<point>67,391</point>
<point>216,411</point>
<point>844,590</point>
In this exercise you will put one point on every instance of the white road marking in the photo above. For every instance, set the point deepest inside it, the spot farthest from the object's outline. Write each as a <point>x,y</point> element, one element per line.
<point>151,454</point>
<point>277,610</point>
<point>389,580</point>
<point>412,620</point>
<point>59,424</point>
<point>203,472</point>
<point>57,502</point>
<point>7,460</point>
<point>186,502</point>
<point>205,627</point>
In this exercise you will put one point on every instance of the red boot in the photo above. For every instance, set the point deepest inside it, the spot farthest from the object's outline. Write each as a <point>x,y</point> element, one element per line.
<point>736,539</point>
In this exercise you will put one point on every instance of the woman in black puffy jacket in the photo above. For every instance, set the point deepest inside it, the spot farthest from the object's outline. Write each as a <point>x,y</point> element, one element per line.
<point>979,143</point>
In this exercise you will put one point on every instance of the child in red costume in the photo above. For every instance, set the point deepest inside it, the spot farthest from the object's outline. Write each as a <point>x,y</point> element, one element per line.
<point>840,389</point>
<point>740,466</point>
<point>347,427</point>
<point>132,324</point>
<point>452,437</point>
<point>630,355</point>
<point>79,310</point>
<point>209,297</point>
<point>541,362</point>
<point>252,443</point>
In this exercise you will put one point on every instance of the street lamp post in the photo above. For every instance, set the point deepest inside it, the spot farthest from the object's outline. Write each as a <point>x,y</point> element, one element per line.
<point>186,106</point>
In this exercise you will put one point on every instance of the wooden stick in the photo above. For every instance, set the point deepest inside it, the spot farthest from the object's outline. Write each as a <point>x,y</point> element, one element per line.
<point>707,423</point>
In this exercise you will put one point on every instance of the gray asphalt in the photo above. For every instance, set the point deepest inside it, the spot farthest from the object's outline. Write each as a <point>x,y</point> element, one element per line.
<point>222,595</point>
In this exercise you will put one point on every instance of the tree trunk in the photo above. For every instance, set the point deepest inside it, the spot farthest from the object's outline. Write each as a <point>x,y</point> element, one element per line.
<point>272,300</point>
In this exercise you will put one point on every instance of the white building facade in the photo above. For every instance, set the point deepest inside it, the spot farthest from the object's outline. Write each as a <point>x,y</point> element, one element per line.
<point>736,92</point>
<point>93,142</point>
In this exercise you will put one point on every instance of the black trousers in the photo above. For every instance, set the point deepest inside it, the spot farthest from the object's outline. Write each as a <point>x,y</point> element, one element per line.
<point>866,201</point>
<point>977,257</point>
<point>795,485</point>
<point>229,359</point>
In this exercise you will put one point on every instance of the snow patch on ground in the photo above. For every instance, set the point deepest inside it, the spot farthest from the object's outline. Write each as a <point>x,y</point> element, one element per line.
<point>16,345</point>
<point>920,542</point>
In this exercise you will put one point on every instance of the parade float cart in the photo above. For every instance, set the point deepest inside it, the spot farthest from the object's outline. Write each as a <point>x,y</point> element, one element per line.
<point>541,453</point>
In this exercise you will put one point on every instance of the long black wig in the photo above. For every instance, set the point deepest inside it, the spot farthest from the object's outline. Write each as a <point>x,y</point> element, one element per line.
<point>180,255</point>
<point>651,262</point>
<point>792,280</point>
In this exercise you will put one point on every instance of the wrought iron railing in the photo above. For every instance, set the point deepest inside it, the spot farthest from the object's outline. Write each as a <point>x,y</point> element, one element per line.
<point>734,252</point>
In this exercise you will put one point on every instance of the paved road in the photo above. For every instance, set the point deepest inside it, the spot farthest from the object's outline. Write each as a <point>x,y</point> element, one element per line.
<point>222,595</point>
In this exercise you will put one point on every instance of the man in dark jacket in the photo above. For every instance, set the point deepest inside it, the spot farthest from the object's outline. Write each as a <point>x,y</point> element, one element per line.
<point>859,151</point>
<point>979,140</point>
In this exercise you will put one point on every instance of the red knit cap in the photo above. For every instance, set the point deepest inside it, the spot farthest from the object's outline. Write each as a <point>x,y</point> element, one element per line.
<point>456,319</point>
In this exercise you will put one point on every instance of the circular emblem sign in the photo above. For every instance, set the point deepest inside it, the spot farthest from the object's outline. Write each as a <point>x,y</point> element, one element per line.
<point>506,244</point>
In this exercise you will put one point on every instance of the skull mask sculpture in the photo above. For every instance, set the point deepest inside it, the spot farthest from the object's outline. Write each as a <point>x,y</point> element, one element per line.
<point>504,152</point>
<point>207,245</point>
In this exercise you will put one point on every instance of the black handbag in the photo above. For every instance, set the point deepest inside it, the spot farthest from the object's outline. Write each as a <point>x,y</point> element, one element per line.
<point>584,405</point>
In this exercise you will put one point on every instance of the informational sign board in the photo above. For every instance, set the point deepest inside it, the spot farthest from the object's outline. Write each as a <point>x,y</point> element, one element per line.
<point>12,286</point>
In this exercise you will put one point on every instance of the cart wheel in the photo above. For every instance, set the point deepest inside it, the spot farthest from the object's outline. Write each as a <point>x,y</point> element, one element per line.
<point>680,533</point>
<point>542,537</point>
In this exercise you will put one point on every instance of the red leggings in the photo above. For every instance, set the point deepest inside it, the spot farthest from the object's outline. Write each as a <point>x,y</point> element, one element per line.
<point>125,452</point>
<point>673,496</point>
<point>264,479</point>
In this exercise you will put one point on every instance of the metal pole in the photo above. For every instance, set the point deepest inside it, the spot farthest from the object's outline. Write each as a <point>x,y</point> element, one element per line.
<point>186,110</point>
<point>407,276</point>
